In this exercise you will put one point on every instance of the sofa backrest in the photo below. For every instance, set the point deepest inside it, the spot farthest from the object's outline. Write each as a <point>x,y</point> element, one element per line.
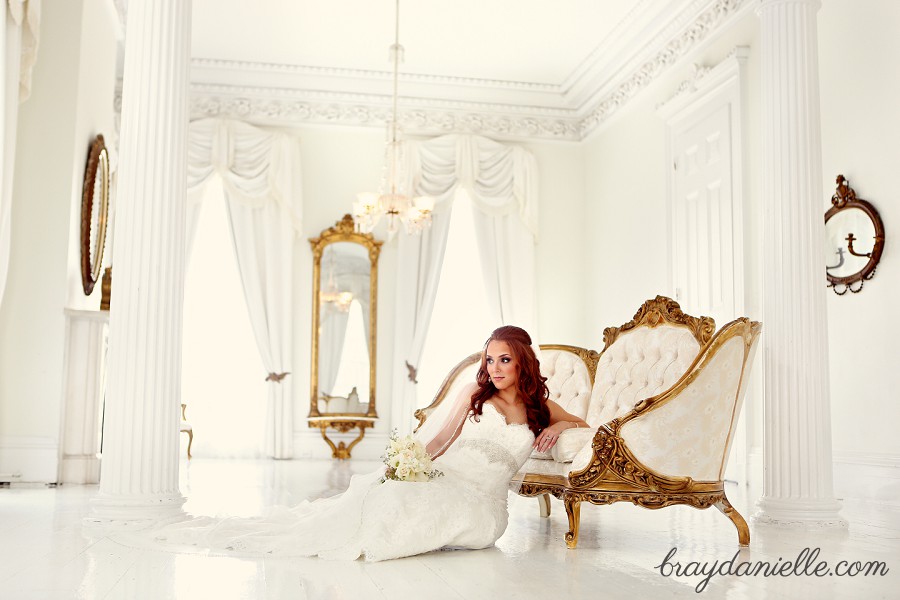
<point>570,375</point>
<point>569,371</point>
<point>645,357</point>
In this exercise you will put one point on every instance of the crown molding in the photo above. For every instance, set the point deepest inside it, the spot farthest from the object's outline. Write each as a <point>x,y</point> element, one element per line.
<point>664,57</point>
<point>426,118</point>
<point>650,24</point>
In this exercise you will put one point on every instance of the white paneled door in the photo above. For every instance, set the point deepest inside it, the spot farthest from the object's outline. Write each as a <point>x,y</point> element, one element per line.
<point>704,247</point>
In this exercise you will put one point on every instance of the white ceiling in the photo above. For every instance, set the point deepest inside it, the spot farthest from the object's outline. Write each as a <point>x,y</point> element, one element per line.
<point>539,41</point>
<point>506,68</point>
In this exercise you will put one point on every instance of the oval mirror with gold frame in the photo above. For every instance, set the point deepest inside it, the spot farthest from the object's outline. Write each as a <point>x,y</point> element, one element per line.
<point>94,213</point>
<point>854,240</point>
<point>344,309</point>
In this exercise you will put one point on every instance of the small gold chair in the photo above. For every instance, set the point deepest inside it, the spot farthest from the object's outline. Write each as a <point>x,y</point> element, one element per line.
<point>186,428</point>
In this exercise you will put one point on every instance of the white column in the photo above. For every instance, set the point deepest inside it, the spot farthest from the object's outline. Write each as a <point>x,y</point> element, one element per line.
<point>139,470</point>
<point>797,486</point>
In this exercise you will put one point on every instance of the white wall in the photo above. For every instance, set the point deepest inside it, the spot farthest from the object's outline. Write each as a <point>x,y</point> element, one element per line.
<point>860,84</point>
<point>71,100</point>
<point>561,251</point>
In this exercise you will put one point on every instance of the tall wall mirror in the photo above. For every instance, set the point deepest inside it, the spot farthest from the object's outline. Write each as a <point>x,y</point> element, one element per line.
<point>344,327</point>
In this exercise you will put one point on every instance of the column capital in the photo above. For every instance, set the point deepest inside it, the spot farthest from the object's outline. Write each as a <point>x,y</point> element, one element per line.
<point>772,4</point>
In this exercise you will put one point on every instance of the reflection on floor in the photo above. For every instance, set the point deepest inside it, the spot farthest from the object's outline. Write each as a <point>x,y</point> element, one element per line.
<point>44,553</point>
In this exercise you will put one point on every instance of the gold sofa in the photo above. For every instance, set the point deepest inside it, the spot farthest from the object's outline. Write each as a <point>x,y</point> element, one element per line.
<point>662,398</point>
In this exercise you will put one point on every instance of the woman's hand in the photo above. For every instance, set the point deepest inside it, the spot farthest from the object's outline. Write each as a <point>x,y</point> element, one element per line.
<point>549,436</point>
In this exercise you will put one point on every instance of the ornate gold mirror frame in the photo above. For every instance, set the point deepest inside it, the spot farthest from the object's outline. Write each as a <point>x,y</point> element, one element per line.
<point>344,419</point>
<point>852,221</point>
<point>94,213</point>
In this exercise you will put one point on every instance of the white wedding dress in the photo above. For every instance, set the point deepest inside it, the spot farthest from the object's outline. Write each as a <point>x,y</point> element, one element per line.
<point>465,508</point>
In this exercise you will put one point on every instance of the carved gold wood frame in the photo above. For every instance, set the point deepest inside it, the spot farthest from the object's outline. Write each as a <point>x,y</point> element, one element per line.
<point>341,451</point>
<point>614,474</point>
<point>343,231</point>
<point>659,311</point>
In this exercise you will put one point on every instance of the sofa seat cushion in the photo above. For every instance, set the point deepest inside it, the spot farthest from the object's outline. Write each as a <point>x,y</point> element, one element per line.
<point>545,467</point>
<point>570,442</point>
<point>638,365</point>
<point>567,446</point>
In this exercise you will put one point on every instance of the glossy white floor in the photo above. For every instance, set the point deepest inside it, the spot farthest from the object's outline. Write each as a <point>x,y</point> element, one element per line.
<point>46,554</point>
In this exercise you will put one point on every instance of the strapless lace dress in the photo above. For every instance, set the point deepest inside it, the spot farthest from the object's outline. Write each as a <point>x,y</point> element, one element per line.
<point>465,508</point>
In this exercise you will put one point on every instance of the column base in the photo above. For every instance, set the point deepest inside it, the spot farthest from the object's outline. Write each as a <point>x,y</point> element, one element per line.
<point>133,512</point>
<point>811,514</point>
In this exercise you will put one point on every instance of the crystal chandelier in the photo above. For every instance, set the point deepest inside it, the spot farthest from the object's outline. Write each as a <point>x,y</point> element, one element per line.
<point>392,202</point>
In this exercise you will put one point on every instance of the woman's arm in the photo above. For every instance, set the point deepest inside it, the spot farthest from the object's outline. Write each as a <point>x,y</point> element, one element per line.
<point>560,420</point>
<point>439,434</point>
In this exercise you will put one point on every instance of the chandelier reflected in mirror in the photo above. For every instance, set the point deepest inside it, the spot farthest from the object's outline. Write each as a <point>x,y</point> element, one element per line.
<point>392,201</point>
<point>341,300</point>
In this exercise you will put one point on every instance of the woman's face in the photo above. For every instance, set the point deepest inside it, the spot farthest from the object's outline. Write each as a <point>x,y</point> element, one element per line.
<point>501,365</point>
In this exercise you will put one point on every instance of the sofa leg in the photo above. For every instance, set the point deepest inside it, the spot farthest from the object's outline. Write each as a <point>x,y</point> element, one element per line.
<point>544,505</point>
<point>729,511</point>
<point>573,511</point>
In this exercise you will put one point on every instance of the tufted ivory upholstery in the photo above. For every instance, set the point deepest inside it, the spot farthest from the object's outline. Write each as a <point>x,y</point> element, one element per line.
<point>641,363</point>
<point>568,380</point>
<point>569,384</point>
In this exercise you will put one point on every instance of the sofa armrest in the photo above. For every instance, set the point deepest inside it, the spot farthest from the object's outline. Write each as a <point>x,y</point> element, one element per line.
<point>687,431</point>
<point>570,442</point>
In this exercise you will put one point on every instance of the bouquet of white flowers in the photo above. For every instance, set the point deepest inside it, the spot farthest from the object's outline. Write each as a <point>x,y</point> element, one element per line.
<point>407,460</point>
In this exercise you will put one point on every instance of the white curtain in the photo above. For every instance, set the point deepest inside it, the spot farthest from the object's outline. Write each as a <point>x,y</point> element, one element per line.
<point>18,43</point>
<point>331,345</point>
<point>261,179</point>
<point>502,182</point>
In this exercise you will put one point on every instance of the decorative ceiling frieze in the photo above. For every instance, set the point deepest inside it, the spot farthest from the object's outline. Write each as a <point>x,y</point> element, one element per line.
<point>423,118</point>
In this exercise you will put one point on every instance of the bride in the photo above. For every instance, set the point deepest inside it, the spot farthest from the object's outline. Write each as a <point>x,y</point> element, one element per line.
<point>488,433</point>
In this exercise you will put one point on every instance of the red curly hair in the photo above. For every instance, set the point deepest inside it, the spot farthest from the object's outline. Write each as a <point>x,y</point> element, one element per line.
<point>530,385</point>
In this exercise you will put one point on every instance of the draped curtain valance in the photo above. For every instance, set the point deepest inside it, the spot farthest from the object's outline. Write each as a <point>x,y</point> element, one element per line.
<point>257,166</point>
<point>501,181</point>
